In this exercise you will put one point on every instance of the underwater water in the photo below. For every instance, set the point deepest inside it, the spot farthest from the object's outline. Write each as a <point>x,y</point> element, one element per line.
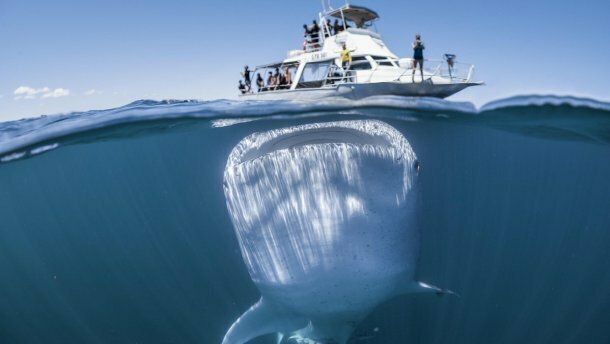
<point>114,226</point>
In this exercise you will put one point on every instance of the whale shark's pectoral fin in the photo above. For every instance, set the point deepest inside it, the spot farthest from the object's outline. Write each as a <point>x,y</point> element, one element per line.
<point>423,287</point>
<point>262,318</point>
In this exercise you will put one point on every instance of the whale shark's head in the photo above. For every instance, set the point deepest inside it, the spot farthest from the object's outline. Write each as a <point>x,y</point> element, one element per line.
<point>319,200</point>
<point>324,217</point>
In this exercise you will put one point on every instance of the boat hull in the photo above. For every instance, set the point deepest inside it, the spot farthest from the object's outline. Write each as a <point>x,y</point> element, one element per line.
<point>359,91</point>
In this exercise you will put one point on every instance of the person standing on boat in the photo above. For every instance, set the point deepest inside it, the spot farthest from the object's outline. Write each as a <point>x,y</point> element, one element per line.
<point>277,77</point>
<point>346,61</point>
<point>260,83</point>
<point>270,81</point>
<point>246,74</point>
<point>315,34</point>
<point>346,57</point>
<point>306,41</point>
<point>418,57</point>
<point>336,27</point>
<point>287,77</point>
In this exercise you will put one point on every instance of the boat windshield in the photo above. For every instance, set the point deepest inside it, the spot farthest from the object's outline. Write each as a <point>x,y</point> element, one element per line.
<point>383,61</point>
<point>314,74</point>
<point>360,63</point>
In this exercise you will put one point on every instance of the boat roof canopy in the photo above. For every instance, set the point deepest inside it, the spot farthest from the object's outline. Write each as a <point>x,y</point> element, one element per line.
<point>356,14</point>
<point>289,64</point>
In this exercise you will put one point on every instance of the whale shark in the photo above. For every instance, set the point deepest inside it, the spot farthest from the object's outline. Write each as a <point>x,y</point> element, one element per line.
<point>325,216</point>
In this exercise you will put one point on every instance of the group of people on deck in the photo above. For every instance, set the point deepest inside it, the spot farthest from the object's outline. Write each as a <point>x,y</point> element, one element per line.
<point>312,33</point>
<point>278,80</point>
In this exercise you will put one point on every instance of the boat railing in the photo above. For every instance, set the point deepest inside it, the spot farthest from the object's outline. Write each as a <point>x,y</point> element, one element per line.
<point>456,72</point>
<point>379,74</point>
<point>271,88</point>
<point>337,75</point>
<point>348,76</point>
<point>312,46</point>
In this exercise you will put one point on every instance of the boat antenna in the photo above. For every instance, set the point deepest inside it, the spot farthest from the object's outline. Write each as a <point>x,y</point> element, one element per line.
<point>326,6</point>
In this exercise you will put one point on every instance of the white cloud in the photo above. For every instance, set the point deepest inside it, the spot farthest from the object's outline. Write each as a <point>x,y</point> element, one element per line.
<point>56,93</point>
<point>92,92</point>
<point>26,92</point>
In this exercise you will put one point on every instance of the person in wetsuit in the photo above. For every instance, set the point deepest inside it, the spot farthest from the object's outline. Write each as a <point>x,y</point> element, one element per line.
<point>281,81</point>
<point>246,74</point>
<point>336,27</point>
<point>260,83</point>
<point>242,87</point>
<point>418,57</point>
<point>306,35</point>
<point>315,34</point>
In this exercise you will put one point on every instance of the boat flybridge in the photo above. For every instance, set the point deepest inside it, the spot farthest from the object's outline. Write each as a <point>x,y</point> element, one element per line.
<point>316,71</point>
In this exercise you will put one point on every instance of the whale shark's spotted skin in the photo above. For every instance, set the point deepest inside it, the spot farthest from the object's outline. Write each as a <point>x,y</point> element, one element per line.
<point>325,218</point>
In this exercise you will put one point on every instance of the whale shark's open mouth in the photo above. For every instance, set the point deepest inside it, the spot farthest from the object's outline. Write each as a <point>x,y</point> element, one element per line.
<point>356,133</point>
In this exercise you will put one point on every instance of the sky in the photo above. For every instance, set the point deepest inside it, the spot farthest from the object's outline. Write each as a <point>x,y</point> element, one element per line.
<point>61,56</point>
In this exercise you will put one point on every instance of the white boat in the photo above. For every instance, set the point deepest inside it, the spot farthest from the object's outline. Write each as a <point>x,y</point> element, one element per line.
<point>316,69</point>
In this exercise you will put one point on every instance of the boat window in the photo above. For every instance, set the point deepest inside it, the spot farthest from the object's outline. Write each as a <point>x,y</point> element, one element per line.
<point>360,63</point>
<point>314,74</point>
<point>383,61</point>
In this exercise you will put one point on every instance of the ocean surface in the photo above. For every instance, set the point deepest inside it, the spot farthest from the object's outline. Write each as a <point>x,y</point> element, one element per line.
<point>114,226</point>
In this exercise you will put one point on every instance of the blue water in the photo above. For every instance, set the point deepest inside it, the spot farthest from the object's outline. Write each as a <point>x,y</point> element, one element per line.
<point>114,226</point>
